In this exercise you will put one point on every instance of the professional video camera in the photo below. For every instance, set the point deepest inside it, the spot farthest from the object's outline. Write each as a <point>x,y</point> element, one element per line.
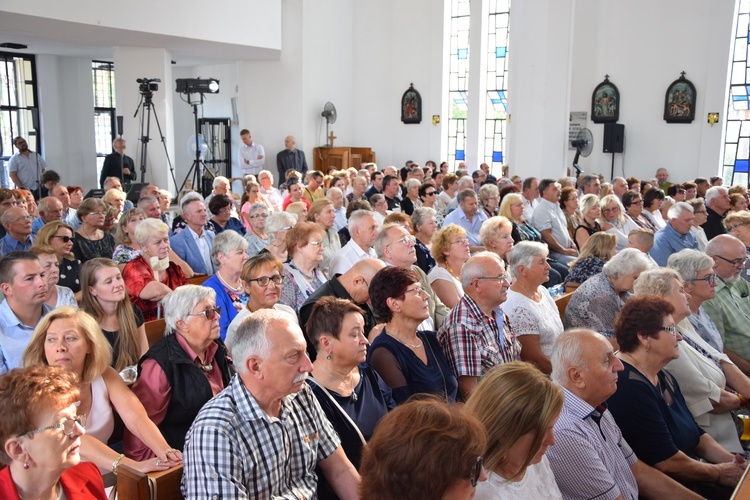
<point>148,85</point>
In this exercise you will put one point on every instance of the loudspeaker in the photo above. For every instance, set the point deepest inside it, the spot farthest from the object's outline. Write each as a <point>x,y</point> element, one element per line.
<point>614,137</point>
<point>119,125</point>
<point>135,192</point>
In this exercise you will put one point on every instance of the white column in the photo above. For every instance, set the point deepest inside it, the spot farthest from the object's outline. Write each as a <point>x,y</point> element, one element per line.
<point>132,63</point>
<point>539,86</point>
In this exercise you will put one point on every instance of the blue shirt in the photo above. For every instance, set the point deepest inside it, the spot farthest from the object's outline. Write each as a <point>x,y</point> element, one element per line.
<point>669,241</point>
<point>459,218</point>
<point>10,244</point>
<point>37,225</point>
<point>14,337</point>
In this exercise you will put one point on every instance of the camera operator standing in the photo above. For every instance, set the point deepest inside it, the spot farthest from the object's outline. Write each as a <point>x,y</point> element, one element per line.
<point>118,164</point>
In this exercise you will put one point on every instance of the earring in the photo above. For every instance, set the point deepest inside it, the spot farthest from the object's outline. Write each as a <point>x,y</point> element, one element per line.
<point>329,356</point>
<point>26,465</point>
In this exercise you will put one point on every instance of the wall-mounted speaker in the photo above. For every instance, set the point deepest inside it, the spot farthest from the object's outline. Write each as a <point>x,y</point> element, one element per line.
<point>614,138</point>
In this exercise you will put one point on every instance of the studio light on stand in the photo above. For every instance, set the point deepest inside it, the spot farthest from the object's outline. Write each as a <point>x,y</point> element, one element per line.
<point>195,88</point>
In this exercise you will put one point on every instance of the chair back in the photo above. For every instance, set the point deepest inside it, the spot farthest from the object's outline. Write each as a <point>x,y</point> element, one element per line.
<point>155,330</point>
<point>162,485</point>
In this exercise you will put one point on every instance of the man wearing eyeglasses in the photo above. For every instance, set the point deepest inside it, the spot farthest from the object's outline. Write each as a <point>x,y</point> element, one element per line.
<point>17,224</point>
<point>730,309</point>
<point>49,209</point>
<point>676,235</point>
<point>25,166</point>
<point>476,334</point>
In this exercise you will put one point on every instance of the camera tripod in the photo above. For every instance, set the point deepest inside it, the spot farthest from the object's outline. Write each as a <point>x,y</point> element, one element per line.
<point>198,169</point>
<point>146,106</point>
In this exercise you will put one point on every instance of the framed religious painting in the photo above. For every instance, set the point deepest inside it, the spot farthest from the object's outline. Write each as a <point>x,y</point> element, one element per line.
<point>679,101</point>
<point>411,106</point>
<point>605,102</point>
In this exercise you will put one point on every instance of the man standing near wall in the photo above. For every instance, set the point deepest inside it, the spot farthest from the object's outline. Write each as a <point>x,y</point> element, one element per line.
<point>25,166</point>
<point>252,155</point>
<point>290,158</point>
<point>118,164</point>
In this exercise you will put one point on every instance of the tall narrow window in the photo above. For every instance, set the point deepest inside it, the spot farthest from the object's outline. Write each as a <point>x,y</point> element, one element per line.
<point>458,81</point>
<point>737,134</point>
<point>103,76</point>
<point>18,105</point>
<point>496,104</point>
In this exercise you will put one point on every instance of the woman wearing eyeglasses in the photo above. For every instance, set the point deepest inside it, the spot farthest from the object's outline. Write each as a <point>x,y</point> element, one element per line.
<point>228,254</point>
<point>424,449</point>
<point>182,371</point>
<point>61,237</point>
<point>649,406</point>
<point>220,207</point>
<point>91,239</point>
<point>613,220</point>
<point>262,276</point>
<point>71,339</point>
<point>633,204</point>
<point>41,437</point>
<point>450,248</point>
<point>251,197</point>
<point>518,406</point>
<point>256,235</point>
<point>302,276</point>
<point>323,214</point>
<point>277,225</point>
<point>408,360</point>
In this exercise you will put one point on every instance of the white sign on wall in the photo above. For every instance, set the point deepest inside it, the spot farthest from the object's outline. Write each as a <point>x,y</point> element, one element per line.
<point>576,122</point>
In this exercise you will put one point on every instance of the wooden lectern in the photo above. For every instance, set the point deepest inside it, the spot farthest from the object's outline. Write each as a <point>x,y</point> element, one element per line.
<point>339,158</point>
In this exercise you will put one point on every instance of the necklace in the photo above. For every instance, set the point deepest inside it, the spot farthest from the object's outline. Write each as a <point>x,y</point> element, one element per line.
<point>58,495</point>
<point>450,270</point>
<point>413,346</point>
<point>206,368</point>
<point>353,395</point>
<point>237,289</point>
<point>88,236</point>
<point>532,296</point>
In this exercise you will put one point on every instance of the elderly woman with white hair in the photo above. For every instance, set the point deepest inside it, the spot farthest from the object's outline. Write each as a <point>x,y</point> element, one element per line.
<point>597,301</point>
<point>151,276</point>
<point>703,373</point>
<point>531,311</point>
<point>228,254</point>
<point>496,235</point>
<point>270,193</point>
<point>277,225</point>
<point>489,199</point>
<point>256,236</point>
<point>424,222</point>
<point>185,369</point>
<point>411,201</point>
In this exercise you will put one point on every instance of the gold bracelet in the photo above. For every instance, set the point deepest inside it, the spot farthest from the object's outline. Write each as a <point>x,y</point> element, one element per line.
<point>116,463</point>
<point>743,399</point>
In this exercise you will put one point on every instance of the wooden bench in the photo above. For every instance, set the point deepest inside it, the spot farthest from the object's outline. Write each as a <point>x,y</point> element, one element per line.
<point>198,280</point>
<point>155,330</point>
<point>162,485</point>
<point>561,301</point>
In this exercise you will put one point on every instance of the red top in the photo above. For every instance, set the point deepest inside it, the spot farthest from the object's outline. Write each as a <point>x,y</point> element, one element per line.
<point>82,482</point>
<point>138,273</point>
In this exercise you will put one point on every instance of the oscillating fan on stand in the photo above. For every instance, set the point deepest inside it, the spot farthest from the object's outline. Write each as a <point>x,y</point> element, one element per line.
<point>329,113</point>
<point>584,144</point>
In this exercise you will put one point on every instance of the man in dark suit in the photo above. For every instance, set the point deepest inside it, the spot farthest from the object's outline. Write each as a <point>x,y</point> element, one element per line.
<point>290,159</point>
<point>118,164</point>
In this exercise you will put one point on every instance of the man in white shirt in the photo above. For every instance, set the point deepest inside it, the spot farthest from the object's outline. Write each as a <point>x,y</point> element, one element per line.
<point>252,155</point>
<point>363,229</point>
<point>530,195</point>
<point>549,219</point>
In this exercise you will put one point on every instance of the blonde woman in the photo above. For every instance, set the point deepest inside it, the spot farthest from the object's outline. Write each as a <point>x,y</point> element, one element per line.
<point>596,252</point>
<point>322,213</point>
<point>450,248</point>
<point>588,226</point>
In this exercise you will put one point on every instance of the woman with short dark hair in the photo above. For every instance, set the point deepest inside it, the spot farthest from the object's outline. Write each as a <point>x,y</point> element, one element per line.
<point>408,360</point>
<point>220,207</point>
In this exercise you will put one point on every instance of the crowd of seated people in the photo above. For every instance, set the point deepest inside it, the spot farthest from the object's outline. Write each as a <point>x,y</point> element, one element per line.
<point>436,291</point>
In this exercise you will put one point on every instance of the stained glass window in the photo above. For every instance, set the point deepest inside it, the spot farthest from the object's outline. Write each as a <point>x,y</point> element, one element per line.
<point>737,133</point>
<point>458,81</point>
<point>496,102</point>
<point>103,75</point>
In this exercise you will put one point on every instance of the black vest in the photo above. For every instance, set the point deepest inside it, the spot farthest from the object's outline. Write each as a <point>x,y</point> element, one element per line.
<point>190,387</point>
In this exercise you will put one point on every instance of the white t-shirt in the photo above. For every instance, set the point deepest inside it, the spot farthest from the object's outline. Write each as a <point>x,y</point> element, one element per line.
<point>527,317</point>
<point>538,483</point>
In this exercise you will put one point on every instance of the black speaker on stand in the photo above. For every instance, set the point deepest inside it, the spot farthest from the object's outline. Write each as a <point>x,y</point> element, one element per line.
<point>614,141</point>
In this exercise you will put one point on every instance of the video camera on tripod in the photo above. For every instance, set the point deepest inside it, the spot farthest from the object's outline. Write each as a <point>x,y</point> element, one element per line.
<point>148,86</point>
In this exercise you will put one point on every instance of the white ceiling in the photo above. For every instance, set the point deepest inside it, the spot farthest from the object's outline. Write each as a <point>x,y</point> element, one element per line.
<point>62,38</point>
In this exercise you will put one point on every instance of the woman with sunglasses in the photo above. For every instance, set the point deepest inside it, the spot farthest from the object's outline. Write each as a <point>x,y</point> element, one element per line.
<point>61,237</point>
<point>262,276</point>
<point>71,339</point>
<point>41,437</point>
<point>92,240</point>
<point>518,406</point>
<point>302,276</point>
<point>424,449</point>
<point>408,360</point>
<point>428,194</point>
<point>613,220</point>
<point>256,236</point>
<point>228,254</point>
<point>450,248</point>
<point>633,203</point>
<point>650,409</point>
<point>182,371</point>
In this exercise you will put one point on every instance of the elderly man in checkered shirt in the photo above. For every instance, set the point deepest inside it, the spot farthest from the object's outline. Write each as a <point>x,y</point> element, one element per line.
<point>476,335</point>
<point>263,435</point>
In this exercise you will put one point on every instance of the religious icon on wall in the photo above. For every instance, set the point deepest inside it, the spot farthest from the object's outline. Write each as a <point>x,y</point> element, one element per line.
<point>679,101</point>
<point>605,102</point>
<point>411,106</point>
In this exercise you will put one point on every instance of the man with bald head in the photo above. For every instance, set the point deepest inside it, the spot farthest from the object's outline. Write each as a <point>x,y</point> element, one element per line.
<point>730,308</point>
<point>476,334</point>
<point>352,285</point>
<point>290,158</point>
<point>591,458</point>
<point>49,208</point>
<point>619,186</point>
<point>17,224</point>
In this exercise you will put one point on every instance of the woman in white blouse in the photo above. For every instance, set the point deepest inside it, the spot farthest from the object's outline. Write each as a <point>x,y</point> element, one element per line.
<point>450,248</point>
<point>532,312</point>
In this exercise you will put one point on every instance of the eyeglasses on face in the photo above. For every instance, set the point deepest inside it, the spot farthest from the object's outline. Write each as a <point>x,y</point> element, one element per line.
<point>501,278</point>
<point>211,313</point>
<point>460,241</point>
<point>27,218</point>
<point>259,216</point>
<point>735,262</point>
<point>315,243</point>
<point>476,471</point>
<point>406,241</point>
<point>66,239</point>
<point>67,425</point>
<point>418,290</point>
<point>265,280</point>
<point>98,214</point>
<point>732,227</point>
<point>709,279</point>
<point>670,329</point>
<point>610,210</point>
